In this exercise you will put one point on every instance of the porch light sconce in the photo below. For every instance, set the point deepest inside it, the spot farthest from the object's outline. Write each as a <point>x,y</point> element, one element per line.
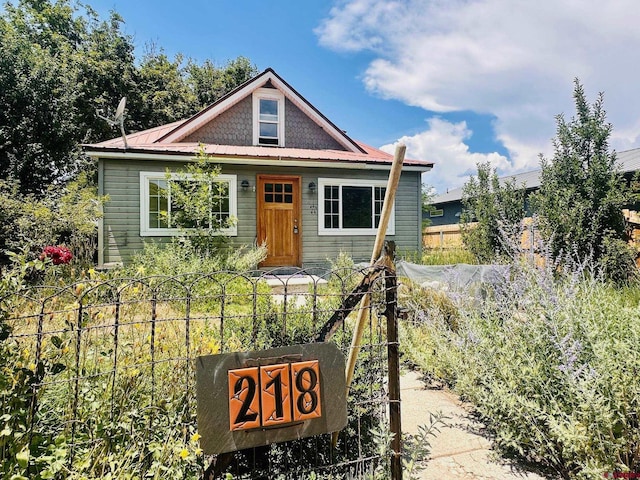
<point>312,187</point>
<point>245,185</point>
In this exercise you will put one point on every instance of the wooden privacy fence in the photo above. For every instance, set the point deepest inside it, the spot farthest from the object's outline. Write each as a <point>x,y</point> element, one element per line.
<point>442,236</point>
<point>450,236</point>
<point>100,379</point>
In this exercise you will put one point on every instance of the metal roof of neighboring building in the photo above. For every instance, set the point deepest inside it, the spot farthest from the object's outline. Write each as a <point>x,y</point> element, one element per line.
<point>628,160</point>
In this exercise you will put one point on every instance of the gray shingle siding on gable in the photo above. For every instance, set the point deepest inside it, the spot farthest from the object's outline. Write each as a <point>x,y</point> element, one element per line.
<point>302,132</point>
<point>231,127</point>
<point>235,127</point>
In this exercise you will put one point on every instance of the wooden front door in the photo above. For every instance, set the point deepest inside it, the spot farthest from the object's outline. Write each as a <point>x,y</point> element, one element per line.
<point>279,219</point>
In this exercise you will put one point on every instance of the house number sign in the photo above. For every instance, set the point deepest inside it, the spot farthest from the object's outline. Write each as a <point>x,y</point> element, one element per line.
<point>247,399</point>
<point>274,395</point>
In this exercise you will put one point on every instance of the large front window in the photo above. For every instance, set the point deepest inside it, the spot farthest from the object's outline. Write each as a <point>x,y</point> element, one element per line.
<point>350,207</point>
<point>161,214</point>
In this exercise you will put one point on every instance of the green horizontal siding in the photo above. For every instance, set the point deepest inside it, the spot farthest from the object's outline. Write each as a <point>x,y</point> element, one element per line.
<point>122,212</point>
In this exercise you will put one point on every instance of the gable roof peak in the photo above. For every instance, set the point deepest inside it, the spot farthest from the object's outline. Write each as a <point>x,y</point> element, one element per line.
<point>267,79</point>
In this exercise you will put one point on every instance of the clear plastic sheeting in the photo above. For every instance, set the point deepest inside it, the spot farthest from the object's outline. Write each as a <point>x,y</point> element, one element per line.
<point>460,279</point>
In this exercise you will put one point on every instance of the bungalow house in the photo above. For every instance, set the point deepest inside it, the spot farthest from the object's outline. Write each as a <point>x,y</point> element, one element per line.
<point>292,179</point>
<point>444,216</point>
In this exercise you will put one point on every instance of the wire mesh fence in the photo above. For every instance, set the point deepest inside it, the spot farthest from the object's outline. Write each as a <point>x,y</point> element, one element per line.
<point>99,376</point>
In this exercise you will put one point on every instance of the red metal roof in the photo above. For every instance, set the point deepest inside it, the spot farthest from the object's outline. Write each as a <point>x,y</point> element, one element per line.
<point>136,145</point>
<point>166,140</point>
<point>147,142</point>
<point>140,138</point>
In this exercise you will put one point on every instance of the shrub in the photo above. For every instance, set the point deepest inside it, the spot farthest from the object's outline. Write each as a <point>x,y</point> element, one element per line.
<point>67,215</point>
<point>180,256</point>
<point>491,211</point>
<point>551,364</point>
<point>618,261</point>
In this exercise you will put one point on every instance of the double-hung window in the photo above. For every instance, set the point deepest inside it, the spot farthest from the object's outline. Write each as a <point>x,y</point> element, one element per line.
<point>268,117</point>
<point>351,207</point>
<point>160,214</point>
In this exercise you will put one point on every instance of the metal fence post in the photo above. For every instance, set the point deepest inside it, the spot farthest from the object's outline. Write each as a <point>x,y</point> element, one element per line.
<point>393,356</point>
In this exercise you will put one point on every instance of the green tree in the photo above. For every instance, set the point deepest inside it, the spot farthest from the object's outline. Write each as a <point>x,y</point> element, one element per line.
<point>107,72</point>
<point>200,204</point>
<point>175,89</point>
<point>427,207</point>
<point>166,96</point>
<point>492,214</point>
<point>582,191</point>
<point>37,96</point>
<point>209,83</point>
<point>60,64</point>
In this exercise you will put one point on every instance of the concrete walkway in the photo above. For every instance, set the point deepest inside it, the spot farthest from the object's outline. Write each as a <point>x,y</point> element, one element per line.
<point>459,451</point>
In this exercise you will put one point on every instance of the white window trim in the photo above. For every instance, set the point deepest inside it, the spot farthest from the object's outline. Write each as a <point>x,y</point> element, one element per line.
<point>268,94</point>
<point>146,231</point>
<point>340,182</point>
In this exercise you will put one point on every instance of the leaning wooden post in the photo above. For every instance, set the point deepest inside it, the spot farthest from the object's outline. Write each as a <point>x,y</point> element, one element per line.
<point>387,207</point>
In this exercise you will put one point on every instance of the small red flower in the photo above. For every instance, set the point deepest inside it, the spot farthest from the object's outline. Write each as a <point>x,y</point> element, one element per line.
<point>59,254</point>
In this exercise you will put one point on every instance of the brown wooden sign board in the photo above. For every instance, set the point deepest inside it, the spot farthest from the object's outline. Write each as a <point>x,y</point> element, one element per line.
<point>249,399</point>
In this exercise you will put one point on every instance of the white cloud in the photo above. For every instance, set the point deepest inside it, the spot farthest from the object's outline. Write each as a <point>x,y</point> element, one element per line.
<point>515,60</point>
<point>443,143</point>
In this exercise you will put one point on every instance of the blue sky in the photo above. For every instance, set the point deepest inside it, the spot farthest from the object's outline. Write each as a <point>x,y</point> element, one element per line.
<point>459,82</point>
<point>278,34</point>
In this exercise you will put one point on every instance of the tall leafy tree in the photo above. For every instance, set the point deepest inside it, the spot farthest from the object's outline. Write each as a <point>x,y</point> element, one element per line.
<point>582,191</point>
<point>107,71</point>
<point>60,64</point>
<point>166,95</point>
<point>37,95</point>
<point>492,214</point>
<point>209,83</point>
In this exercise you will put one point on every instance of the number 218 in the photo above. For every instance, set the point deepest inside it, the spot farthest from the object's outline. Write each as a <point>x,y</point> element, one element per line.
<point>274,395</point>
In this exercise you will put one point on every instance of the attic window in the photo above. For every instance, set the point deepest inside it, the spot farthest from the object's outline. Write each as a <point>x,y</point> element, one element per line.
<point>268,115</point>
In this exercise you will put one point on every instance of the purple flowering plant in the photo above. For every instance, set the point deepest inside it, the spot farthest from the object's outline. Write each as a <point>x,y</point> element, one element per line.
<point>550,360</point>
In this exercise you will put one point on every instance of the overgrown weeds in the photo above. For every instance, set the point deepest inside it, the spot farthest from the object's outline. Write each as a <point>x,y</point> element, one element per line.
<point>440,256</point>
<point>181,256</point>
<point>98,381</point>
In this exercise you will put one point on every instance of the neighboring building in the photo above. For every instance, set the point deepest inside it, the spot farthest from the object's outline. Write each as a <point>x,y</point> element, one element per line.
<point>291,178</point>
<point>447,207</point>
<point>444,230</point>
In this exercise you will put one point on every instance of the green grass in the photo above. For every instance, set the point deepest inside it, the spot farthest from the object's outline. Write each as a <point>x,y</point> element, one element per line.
<point>439,256</point>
